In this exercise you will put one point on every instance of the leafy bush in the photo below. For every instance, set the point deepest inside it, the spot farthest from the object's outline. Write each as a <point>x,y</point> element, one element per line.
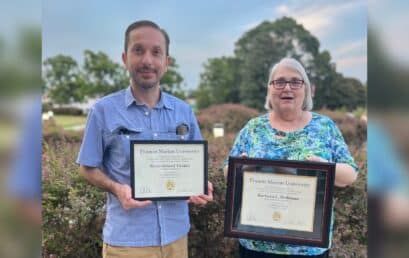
<point>46,106</point>
<point>233,117</point>
<point>54,133</point>
<point>73,211</point>
<point>68,111</point>
<point>350,228</point>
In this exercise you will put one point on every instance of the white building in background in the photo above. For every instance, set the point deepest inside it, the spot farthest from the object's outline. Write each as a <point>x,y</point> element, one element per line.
<point>84,106</point>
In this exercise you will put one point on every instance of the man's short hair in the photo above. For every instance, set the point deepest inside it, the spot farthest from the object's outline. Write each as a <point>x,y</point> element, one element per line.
<point>146,23</point>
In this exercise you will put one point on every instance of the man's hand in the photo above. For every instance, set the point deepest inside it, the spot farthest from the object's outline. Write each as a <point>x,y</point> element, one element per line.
<point>203,199</point>
<point>124,194</point>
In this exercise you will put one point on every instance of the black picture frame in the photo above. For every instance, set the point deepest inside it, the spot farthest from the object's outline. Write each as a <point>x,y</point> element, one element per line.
<point>321,208</point>
<point>180,156</point>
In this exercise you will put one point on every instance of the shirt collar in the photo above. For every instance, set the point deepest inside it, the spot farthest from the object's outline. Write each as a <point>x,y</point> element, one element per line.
<point>164,101</point>
<point>129,99</point>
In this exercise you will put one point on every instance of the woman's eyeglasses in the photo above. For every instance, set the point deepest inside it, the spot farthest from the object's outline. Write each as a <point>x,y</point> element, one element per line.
<point>280,84</point>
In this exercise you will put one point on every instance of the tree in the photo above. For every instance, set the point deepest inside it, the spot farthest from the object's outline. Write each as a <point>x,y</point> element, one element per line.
<point>63,79</point>
<point>261,47</point>
<point>172,80</point>
<point>66,82</point>
<point>219,82</point>
<point>255,53</point>
<point>103,76</point>
<point>349,93</point>
<point>323,77</point>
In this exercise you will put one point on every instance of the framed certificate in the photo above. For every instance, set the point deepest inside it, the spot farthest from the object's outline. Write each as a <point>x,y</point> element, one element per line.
<point>162,170</point>
<point>280,200</point>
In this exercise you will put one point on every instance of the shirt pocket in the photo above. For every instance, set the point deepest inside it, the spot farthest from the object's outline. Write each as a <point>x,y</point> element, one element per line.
<point>168,133</point>
<point>166,136</point>
<point>121,137</point>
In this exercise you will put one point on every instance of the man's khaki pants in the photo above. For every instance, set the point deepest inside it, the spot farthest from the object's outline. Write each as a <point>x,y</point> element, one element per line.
<point>177,249</point>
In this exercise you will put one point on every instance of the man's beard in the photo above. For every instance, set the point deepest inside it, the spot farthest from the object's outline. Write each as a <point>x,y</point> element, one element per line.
<point>138,80</point>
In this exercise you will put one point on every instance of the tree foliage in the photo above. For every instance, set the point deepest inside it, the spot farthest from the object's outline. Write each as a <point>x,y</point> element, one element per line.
<point>171,82</point>
<point>103,76</point>
<point>62,77</point>
<point>219,83</point>
<point>67,82</point>
<point>255,53</point>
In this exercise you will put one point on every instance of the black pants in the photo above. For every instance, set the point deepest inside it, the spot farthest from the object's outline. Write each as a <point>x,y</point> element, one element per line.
<point>245,253</point>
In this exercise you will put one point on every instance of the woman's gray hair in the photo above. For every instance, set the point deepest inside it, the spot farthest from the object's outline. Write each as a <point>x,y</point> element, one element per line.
<point>297,66</point>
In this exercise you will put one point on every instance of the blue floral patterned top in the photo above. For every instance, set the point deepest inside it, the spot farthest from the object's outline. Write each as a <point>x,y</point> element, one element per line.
<point>320,137</point>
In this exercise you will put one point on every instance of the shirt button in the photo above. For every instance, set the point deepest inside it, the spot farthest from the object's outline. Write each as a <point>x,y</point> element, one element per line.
<point>159,206</point>
<point>146,113</point>
<point>155,134</point>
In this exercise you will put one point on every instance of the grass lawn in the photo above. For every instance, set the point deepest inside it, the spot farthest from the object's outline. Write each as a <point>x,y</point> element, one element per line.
<point>8,135</point>
<point>67,121</point>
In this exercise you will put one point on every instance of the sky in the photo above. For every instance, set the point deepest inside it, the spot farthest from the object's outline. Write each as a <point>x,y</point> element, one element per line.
<point>13,17</point>
<point>13,20</point>
<point>200,30</point>
<point>390,23</point>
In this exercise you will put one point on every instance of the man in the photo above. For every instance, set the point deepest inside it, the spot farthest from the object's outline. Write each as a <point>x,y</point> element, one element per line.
<point>142,112</point>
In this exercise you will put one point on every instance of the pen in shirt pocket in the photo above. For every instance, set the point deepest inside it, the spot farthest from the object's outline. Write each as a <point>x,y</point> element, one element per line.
<point>128,132</point>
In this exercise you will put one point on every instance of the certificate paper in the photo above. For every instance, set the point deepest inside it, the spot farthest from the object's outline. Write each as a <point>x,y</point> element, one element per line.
<point>278,201</point>
<point>168,170</point>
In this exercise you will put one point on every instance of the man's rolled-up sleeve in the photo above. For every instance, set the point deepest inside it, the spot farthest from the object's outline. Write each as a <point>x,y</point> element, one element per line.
<point>92,147</point>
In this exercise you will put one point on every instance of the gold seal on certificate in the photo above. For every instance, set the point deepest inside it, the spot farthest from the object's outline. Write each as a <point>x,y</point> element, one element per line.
<point>162,170</point>
<point>279,200</point>
<point>170,185</point>
<point>276,216</point>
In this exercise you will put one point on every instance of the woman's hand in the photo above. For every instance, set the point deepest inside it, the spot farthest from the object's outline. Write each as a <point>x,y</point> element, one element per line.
<point>344,173</point>
<point>226,168</point>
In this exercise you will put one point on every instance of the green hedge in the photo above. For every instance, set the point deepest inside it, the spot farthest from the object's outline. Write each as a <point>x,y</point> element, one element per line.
<point>73,210</point>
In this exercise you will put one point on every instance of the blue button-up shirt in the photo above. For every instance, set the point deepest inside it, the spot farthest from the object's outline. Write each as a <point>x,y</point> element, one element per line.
<point>112,122</point>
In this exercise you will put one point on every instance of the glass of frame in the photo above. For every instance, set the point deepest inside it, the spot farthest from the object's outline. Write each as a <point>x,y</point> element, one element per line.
<point>165,170</point>
<point>280,200</point>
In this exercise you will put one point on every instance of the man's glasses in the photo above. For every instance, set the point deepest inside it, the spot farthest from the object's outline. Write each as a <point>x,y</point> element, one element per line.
<point>280,84</point>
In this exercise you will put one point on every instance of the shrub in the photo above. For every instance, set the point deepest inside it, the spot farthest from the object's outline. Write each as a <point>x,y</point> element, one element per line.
<point>54,133</point>
<point>350,227</point>
<point>233,117</point>
<point>73,211</point>
<point>68,111</point>
<point>46,106</point>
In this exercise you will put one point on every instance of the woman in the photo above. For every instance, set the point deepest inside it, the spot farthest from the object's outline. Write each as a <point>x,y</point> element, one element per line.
<point>291,131</point>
